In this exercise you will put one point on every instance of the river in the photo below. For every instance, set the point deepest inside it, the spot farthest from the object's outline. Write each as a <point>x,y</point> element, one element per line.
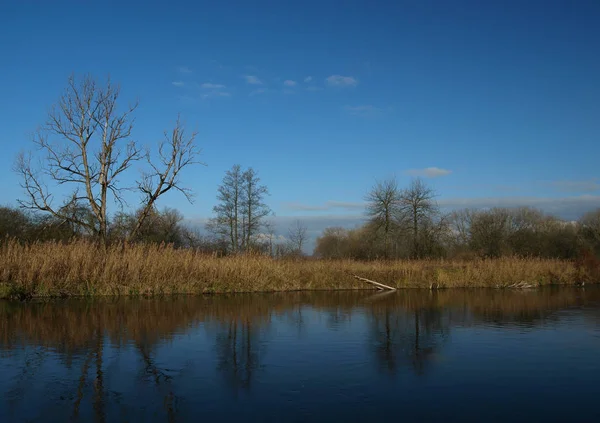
<point>416,355</point>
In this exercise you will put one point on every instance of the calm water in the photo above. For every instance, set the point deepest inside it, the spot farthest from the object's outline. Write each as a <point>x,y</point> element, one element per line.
<point>459,356</point>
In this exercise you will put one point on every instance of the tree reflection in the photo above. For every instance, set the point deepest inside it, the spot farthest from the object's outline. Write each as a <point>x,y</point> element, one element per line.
<point>402,337</point>
<point>238,353</point>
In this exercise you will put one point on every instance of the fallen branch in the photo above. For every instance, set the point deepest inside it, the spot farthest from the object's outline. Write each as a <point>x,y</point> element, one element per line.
<point>377,285</point>
<point>522,285</point>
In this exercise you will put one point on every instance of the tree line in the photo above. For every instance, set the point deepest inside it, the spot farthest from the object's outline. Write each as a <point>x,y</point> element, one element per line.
<point>408,223</point>
<point>85,151</point>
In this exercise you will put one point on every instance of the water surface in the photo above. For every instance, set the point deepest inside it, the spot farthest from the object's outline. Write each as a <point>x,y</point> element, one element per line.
<point>453,355</point>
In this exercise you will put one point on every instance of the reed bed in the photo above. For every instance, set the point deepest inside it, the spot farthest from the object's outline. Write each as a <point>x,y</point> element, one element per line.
<point>82,268</point>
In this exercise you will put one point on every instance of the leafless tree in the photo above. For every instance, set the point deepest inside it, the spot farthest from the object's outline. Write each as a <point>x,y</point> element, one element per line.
<point>590,230</point>
<point>383,208</point>
<point>87,145</point>
<point>255,209</point>
<point>489,232</point>
<point>226,223</point>
<point>417,208</point>
<point>297,236</point>
<point>241,210</point>
<point>460,227</point>
<point>332,243</point>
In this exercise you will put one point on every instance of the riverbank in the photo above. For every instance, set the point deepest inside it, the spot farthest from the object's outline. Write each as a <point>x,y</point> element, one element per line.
<point>81,268</point>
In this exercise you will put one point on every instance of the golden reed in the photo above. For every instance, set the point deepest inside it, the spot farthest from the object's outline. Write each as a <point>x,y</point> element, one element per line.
<point>83,268</point>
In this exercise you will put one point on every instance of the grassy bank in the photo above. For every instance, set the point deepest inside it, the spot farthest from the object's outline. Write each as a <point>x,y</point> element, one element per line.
<point>82,268</point>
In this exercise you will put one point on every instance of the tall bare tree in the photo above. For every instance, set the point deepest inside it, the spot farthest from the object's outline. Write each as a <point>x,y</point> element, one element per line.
<point>417,208</point>
<point>226,223</point>
<point>297,236</point>
<point>255,209</point>
<point>241,210</point>
<point>383,208</point>
<point>87,145</point>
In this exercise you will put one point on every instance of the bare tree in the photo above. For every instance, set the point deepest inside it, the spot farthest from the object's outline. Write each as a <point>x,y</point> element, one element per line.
<point>255,209</point>
<point>460,228</point>
<point>175,152</point>
<point>332,243</point>
<point>489,232</point>
<point>589,229</point>
<point>297,236</point>
<point>417,208</point>
<point>383,208</point>
<point>241,210</point>
<point>87,145</point>
<point>226,223</point>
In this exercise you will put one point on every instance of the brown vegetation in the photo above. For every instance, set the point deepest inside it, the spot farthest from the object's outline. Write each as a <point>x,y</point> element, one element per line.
<point>84,268</point>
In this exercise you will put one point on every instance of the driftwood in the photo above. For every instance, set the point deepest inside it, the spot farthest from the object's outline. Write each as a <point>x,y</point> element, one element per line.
<point>377,285</point>
<point>522,285</point>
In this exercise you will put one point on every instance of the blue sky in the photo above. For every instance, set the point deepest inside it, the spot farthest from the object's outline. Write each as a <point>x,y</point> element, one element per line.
<point>492,102</point>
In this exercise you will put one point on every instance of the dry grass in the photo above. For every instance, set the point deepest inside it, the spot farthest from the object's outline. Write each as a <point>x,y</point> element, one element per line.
<point>82,268</point>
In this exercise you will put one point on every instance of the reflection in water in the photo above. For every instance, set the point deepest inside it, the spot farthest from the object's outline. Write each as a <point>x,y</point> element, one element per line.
<point>410,337</point>
<point>168,359</point>
<point>237,353</point>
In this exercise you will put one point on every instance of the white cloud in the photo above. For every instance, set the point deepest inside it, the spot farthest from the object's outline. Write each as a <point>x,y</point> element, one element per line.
<point>366,110</point>
<point>184,69</point>
<point>252,80</point>
<point>429,172</point>
<point>210,86</point>
<point>289,83</point>
<point>308,79</point>
<point>178,83</point>
<point>341,81</point>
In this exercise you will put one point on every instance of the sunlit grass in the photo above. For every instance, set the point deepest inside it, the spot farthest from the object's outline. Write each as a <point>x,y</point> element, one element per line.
<point>82,268</point>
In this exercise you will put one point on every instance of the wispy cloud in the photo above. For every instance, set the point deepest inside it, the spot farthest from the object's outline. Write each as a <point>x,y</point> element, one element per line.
<point>328,205</point>
<point>591,185</point>
<point>289,83</point>
<point>341,81</point>
<point>308,79</point>
<point>252,80</point>
<point>178,83</point>
<point>257,92</point>
<point>210,86</point>
<point>184,69</point>
<point>570,208</point>
<point>366,110</point>
<point>429,172</point>
<point>215,93</point>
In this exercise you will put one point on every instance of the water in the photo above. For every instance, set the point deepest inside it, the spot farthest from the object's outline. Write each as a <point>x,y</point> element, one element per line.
<point>479,355</point>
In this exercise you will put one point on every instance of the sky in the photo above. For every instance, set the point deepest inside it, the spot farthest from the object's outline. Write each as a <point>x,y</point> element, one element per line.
<point>492,103</point>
